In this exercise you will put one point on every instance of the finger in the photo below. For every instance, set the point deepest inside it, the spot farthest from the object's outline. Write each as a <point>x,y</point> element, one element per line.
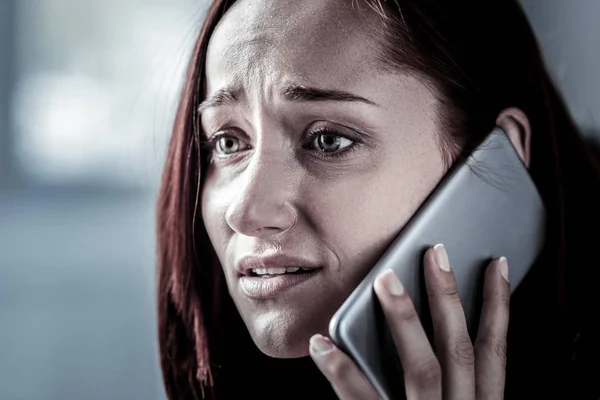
<point>422,372</point>
<point>453,343</point>
<point>490,344</point>
<point>345,377</point>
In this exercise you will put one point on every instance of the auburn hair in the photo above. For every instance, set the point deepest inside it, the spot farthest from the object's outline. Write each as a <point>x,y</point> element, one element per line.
<point>481,57</point>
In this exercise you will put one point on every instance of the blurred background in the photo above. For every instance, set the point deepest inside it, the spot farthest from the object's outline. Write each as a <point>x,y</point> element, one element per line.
<point>88,90</point>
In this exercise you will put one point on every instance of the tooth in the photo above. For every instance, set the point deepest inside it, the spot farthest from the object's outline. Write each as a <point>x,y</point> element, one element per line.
<point>276,271</point>
<point>260,271</point>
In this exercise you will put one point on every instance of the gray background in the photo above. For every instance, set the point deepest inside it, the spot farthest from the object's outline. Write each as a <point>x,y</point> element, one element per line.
<point>77,191</point>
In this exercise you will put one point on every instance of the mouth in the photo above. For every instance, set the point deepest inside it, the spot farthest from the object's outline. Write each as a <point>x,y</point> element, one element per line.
<point>268,273</point>
<point>265,283</point>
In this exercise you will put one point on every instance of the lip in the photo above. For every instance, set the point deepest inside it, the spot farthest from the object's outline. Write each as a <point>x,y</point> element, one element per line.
<point>245,266</point>
<point>257,287</point>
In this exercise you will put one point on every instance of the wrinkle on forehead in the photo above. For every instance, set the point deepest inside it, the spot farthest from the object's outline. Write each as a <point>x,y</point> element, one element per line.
<point>246,51</point>
<point>299,16</point>
<point>291,32</point>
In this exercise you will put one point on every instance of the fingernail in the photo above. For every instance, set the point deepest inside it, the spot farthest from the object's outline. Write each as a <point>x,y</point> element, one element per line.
<point>503,268</point>
<point>320,344</point>
<point>391,283</point>
<point>441,256</point>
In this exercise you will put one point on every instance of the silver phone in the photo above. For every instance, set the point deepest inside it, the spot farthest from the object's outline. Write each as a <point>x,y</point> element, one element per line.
<point>485,207</point>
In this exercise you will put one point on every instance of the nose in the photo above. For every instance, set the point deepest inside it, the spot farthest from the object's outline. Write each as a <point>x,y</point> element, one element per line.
<point>263,207</point>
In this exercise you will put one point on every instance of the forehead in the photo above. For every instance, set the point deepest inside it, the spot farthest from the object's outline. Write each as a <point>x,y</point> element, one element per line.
<point>314,41</point>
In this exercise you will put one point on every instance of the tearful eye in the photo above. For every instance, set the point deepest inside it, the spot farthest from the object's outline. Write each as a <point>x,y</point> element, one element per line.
<point>228,144</point>
<point>325,143</point>
<point>331,142</point>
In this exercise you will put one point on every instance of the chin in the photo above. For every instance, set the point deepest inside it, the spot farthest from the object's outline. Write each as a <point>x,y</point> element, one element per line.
<point>283,336</point>
<point>284,351</point>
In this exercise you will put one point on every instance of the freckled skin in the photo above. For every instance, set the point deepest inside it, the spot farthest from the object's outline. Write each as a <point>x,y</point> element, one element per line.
<point>343,212</point>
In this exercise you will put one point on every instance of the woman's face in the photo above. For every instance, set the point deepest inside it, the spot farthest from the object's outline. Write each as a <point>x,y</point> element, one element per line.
<point>324,157</point>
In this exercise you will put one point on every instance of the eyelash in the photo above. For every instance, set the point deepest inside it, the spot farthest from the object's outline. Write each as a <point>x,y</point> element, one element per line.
<point>210,144</point>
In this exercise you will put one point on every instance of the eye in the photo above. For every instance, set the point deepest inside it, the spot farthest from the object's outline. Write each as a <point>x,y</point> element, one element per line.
<point>328,143</point>
<point>227,145</point>
<point>222,145</point>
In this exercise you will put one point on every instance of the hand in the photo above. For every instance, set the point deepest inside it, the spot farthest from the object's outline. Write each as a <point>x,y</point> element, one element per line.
<point>460,370</point>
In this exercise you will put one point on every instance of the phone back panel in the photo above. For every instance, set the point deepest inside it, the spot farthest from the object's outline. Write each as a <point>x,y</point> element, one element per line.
<point>485,207</point>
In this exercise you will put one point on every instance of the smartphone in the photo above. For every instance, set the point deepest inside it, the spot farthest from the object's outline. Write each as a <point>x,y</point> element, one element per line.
<point>485,207</point>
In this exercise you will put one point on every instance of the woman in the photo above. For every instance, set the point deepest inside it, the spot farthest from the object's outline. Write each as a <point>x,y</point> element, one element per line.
<point>314,130</point>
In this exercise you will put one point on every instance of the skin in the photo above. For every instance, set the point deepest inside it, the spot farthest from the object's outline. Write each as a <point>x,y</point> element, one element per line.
<point>267,189</point>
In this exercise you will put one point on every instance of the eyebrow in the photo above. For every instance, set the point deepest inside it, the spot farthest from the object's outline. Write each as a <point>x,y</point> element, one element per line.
<point>230,96</point>
<point>221,97</point>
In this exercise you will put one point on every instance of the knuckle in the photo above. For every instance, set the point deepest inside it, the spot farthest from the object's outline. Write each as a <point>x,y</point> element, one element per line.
<point>461,352</point>
<point>499,352</point>
<point>497,299</point>
<point>427,374</point>
<point>338,369</point>
<point>494,347</point>
<point>447,293</point>
<point>450,291</point>
<point>503,300</point>
<point>407,314</point>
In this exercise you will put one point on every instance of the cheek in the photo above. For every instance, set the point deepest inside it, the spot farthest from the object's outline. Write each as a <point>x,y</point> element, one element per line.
<point>362,215</point>
<point>355,218</point>
<point>213,208</point>
<point>207,207</point>
<point>367,220</point>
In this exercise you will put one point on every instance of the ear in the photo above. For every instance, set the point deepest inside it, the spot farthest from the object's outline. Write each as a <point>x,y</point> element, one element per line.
<point>516,125</point>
